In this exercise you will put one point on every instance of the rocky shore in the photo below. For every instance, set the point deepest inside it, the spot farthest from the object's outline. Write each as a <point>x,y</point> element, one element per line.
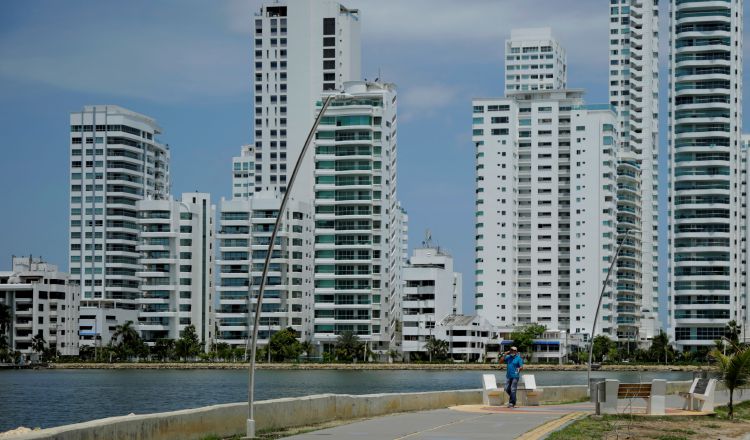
<point>359,366</point>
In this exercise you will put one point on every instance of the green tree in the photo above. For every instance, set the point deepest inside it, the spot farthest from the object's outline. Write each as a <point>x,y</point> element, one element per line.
<point>5,352</point>
<point>437,349</point>
<point>188,346</point>
<point>348,346</point>
<point>602,345</point>
<point>395,355</point>
<point>5,319</point>
<point>661,350</point>
<point>734,370</point>
<point>308,348</point>
<point>163,349</point>
<point>733,331</point>
<point>223,351</point>
<point>523,338</point>
<point>38,344</point>
<point>126,342</point>
<point>285,346</point>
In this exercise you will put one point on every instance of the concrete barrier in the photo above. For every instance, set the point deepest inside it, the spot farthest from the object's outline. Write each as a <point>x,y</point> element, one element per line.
<point>230,419</point>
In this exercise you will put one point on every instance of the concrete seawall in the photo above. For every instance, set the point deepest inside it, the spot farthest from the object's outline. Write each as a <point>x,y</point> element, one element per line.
<point>229,419</point>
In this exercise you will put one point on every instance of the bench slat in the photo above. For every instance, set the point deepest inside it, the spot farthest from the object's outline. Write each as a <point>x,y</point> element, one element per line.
<point>634,390</point>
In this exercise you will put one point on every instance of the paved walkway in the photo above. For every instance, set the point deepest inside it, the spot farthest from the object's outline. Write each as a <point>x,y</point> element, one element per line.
<point>472,422</point>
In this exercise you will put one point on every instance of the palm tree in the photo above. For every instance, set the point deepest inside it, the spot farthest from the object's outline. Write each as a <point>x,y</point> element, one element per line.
<point>733,332</point>
<point>5,319</point>
<point>348,345</point>
<point>308,348</point>
<point>437,348</point>
<point>38,343</point>
<point>734,371</point>
<point>395,355</point>
<point>126,339</point>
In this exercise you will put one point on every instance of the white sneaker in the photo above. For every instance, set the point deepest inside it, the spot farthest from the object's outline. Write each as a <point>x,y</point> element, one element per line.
<point>510,405</point>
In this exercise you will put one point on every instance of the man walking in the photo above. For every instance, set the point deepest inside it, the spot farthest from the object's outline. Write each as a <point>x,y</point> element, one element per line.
<point>514,365</point>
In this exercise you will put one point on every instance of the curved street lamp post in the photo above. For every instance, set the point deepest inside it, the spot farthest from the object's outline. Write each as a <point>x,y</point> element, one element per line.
<point>279,215</point>
<point>599,305</point>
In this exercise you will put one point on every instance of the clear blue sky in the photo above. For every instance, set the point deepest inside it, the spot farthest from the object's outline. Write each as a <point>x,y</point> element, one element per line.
<point>187,64</point>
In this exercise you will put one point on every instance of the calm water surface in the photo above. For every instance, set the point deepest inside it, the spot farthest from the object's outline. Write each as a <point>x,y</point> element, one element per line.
<point>46,398</point>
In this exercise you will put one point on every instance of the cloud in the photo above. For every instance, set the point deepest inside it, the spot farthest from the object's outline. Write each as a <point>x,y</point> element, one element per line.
<point>426,100</point>
<point>190,55</point>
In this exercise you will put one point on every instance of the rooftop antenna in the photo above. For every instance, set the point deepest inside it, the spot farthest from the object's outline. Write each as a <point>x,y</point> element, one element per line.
<point>427,242</point>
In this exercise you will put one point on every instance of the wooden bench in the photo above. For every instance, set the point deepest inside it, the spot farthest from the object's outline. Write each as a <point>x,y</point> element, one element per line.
<point>654,393</point>
<point>701,395</point>
<point>634,391</point>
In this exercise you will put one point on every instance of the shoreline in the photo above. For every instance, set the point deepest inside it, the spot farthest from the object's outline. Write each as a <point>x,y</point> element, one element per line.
<point>360,366</point>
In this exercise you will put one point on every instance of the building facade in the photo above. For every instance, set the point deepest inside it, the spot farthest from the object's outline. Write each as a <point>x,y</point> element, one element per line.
<point>116,160</point>
<point>432,292</point>
<point>705,87</point>
<point>177,267</point>
<point>245,228</point>
<point>355,210</point>
<point>243,172</point>
<point>634,92</point>
<point>300,48</point>
<point>545,209</point>
<point>534,60</point>
<point>42,302</point>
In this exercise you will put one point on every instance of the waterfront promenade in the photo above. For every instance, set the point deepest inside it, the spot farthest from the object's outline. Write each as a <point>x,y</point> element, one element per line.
<point>473,422</point>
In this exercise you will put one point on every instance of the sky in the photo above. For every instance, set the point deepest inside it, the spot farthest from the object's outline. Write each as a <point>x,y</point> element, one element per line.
<point>187,63</point>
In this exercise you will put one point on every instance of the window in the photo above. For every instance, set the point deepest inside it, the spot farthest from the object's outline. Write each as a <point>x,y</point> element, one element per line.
<point>329,26</point>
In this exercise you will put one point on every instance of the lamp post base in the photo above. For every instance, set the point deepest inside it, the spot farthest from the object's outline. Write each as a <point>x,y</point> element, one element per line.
<point>250,430</point>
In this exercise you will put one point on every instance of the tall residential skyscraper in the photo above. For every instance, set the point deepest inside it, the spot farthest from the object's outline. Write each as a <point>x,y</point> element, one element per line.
<point>245,231</point>
<point>116,160</point>
<point>301,48</point>
<point>634,92</point>
<point>705,108</point>
<point>177,267</point>
<point>534,60</point>
<point>545,209</point>
<point>355,211</point>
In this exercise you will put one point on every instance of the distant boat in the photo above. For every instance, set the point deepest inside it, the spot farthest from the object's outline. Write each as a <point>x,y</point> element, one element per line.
<point>596,366</point>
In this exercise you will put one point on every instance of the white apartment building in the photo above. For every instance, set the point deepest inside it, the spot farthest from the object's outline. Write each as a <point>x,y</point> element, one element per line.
<point>116,160</point>
<point>42,301</point>
<point>705,99</point>
<point>177,267</point>
<point>399,239</point>
<point>634,92</point>
<point>243,172</point>
<point>432,292</point>
<point>300,48</point>
<point>546,193</point>
<point>245,228</point>
<point>355,211</point>
<point>534,60</point>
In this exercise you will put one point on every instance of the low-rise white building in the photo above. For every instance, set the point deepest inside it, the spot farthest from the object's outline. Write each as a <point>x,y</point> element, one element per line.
<point>42,301</point>
<point>432,291</point>
<point>553,346</point>
<point>467,336</point>
<point>177,267</point>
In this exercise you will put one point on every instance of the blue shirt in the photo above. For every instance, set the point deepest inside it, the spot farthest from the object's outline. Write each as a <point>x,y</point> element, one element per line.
<point>513,366</point>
